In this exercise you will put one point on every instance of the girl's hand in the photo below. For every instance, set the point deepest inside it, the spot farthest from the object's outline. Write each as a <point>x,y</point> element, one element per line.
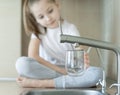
<point>86,60</point>
<point>86,56</point>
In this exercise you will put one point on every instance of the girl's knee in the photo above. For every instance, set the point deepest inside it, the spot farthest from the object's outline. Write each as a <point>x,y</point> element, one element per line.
<point>95,73</point>
<point>23,65</point>
<point>22,61</point>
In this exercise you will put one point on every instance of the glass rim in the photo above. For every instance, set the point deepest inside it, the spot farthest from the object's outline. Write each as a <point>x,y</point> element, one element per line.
<point>76,50</point>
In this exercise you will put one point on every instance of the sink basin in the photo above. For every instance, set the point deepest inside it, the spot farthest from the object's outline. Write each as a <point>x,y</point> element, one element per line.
<point>65,92</point>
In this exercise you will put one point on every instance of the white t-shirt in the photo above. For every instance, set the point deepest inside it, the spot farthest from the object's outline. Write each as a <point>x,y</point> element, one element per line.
<point>50,48</point>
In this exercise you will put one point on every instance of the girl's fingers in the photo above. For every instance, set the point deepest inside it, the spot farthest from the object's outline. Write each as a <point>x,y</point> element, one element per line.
<point>86,59</point>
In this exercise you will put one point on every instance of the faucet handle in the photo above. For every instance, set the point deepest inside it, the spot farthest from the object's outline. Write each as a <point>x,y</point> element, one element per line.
<point>99,82</point>
<point>115,84</point>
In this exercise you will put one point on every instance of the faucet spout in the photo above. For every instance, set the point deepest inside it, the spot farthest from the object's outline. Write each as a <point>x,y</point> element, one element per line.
<point>96,44</point>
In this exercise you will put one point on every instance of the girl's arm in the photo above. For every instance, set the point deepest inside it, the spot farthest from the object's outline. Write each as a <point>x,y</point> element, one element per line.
<point>33,52</point>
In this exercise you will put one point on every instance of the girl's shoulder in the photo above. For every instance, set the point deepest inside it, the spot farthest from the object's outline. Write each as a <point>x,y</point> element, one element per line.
<point>67,24</point>
<point>70,28</point>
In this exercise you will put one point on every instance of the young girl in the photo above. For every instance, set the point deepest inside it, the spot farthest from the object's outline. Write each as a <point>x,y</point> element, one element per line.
<point>44,66</point>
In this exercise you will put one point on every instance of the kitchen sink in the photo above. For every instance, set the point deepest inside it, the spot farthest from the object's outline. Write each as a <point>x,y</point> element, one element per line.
<point>65,92</point>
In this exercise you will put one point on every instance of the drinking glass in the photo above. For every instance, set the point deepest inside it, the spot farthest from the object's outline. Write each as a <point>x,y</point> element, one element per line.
<point>75,62</point>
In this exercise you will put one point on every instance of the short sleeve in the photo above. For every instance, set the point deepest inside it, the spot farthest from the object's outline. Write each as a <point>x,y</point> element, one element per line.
<point>74,31</point>
<point>33,36</point>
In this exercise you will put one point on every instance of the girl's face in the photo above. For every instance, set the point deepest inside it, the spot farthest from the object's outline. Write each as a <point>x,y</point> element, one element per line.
<point>46,13</point>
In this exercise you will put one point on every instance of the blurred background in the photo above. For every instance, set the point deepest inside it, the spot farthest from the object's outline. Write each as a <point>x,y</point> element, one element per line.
<point>96,19</point>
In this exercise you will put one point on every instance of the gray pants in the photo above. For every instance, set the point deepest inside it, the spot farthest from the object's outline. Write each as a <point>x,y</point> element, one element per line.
<point>30,68</point>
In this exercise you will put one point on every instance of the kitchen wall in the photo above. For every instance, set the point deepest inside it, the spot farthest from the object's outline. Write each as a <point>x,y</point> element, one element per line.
<point>110,33</point>
<point>10,36</point>
<point>86,15</point>
<point>94,19</point>
<point>97,19</point>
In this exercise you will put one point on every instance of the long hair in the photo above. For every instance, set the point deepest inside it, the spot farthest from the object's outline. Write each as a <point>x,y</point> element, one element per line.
<point>29,22</point>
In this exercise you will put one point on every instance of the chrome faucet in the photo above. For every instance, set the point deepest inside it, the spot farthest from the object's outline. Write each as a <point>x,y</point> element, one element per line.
<point>96,44</point>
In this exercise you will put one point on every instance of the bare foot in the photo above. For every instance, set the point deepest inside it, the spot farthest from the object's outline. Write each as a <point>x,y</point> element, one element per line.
<point>26,82</point>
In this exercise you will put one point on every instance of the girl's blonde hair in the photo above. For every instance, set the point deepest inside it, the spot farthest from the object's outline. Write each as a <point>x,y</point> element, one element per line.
<point>30,24</point>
